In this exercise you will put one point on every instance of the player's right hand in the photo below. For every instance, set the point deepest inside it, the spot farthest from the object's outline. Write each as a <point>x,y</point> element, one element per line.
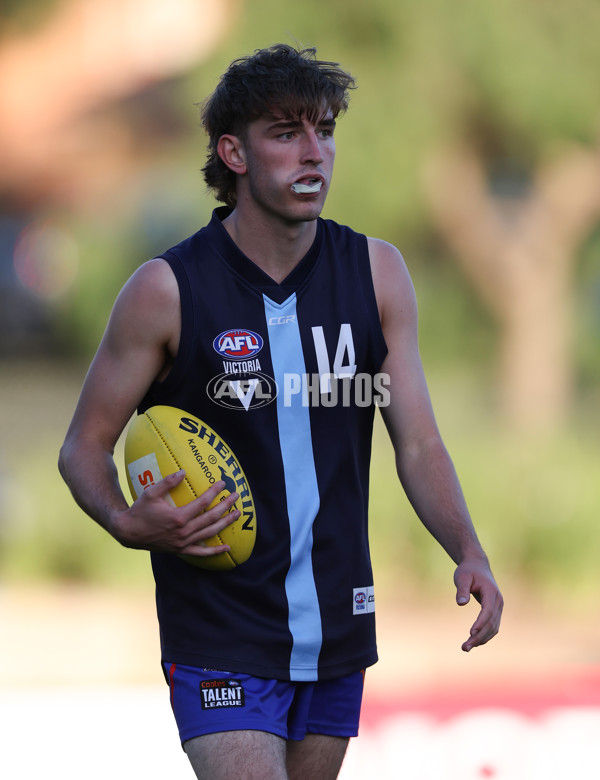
<point>153,523</point>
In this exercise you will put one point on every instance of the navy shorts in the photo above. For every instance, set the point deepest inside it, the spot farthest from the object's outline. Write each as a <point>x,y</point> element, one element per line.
<point>206,702</point>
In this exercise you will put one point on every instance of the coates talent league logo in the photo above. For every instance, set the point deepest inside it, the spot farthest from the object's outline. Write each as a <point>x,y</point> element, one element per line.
<point>238,344</point>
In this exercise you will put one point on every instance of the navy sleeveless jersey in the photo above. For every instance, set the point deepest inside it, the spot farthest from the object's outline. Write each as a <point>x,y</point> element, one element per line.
<point>284,372</point>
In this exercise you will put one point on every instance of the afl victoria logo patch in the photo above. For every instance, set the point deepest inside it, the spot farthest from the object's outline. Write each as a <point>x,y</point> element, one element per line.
<point>240,344</point>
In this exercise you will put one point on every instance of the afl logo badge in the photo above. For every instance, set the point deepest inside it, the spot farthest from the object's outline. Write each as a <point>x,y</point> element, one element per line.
<point>238,344</point>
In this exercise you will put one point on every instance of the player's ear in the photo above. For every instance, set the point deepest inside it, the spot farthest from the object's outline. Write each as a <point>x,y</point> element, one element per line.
<point>231,151</point>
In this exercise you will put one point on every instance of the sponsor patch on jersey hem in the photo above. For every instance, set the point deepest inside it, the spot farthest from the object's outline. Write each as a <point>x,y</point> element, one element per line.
<point>363,600</point>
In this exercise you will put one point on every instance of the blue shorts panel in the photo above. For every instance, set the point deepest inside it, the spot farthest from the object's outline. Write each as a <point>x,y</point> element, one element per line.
<point>206,702</point>
<point>330,707</point>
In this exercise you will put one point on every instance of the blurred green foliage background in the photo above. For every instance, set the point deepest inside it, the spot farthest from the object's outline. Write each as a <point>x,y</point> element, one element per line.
<point>516,85</point>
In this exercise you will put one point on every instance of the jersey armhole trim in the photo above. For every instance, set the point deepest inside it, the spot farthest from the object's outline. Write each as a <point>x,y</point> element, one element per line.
<point>379,344</point>
<point>187,324</point>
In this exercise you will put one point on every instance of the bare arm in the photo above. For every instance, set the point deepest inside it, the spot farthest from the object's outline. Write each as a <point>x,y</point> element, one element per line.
<point>423,463</point>
<point>138,346</point>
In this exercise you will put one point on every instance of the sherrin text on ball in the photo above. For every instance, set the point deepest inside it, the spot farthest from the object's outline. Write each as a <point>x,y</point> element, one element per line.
<point>164,440</point>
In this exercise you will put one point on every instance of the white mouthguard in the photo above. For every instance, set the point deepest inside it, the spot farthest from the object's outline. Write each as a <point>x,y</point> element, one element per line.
<point>307,188</point>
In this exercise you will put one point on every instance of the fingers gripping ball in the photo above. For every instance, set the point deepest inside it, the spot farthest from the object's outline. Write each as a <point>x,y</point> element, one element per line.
<point>164,440</point>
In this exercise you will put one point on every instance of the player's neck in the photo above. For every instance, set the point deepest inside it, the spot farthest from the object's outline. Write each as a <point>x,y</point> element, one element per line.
<point>273,245</point>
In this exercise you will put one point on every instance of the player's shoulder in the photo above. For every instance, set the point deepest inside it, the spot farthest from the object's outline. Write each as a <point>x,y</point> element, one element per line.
<point>153,280</point>
<point>386,261</point>
<point>391,278</point>
<point>383,253</point>
<point>156,271</point>
<point>148,303</point>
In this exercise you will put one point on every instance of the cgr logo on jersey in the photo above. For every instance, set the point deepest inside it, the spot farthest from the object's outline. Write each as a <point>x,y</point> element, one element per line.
<point>221,693</point>
<point>238,344</point>
<point>250,390</point>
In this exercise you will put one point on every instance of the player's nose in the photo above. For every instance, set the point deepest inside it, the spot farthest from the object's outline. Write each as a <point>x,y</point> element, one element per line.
<point>311,148</point>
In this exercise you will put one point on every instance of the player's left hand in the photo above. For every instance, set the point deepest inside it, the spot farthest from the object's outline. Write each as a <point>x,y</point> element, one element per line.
<point>473,576</point>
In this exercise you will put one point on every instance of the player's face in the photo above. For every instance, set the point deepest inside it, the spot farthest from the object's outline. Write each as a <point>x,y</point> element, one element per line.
<point>289,165</point>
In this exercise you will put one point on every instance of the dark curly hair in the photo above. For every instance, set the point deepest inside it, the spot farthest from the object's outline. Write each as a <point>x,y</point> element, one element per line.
<point>279,78</point>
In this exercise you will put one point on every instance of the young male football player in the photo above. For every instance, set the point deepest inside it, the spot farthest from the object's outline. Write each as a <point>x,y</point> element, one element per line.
<point>281,330</point>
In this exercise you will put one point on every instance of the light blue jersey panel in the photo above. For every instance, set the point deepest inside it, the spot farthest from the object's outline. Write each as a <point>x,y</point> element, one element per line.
<point>301,488</point>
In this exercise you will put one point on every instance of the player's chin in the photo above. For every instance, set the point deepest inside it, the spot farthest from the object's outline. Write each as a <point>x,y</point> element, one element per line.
<point>308,210</point>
